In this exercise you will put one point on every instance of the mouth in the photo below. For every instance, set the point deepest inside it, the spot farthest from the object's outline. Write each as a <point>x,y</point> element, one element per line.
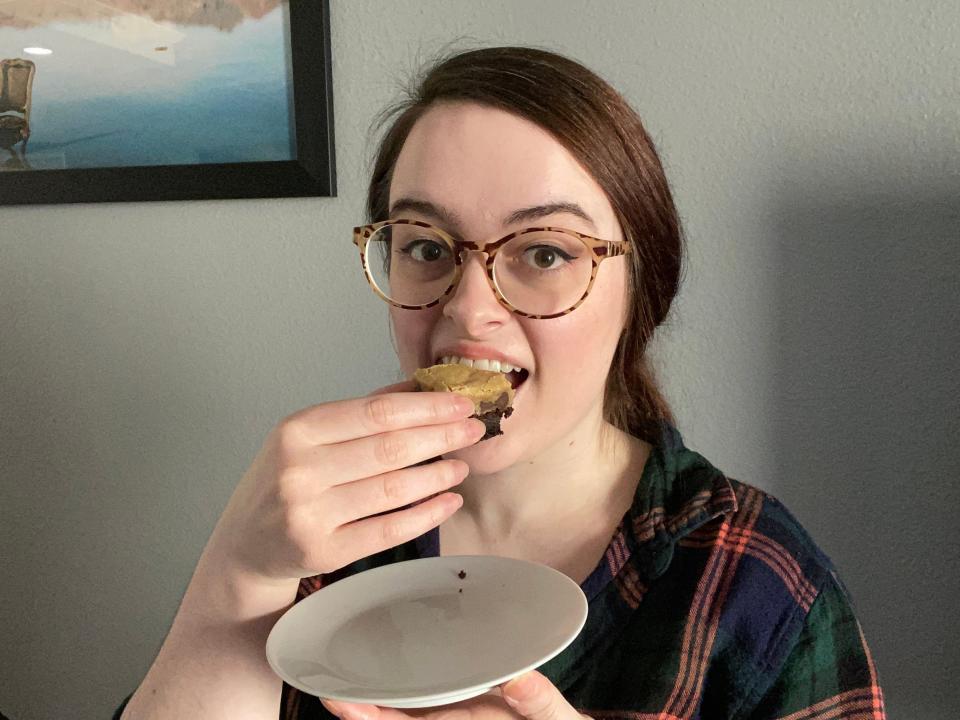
<point>516,376</point>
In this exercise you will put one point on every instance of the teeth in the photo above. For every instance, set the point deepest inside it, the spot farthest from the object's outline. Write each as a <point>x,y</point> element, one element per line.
<point>481,364</point>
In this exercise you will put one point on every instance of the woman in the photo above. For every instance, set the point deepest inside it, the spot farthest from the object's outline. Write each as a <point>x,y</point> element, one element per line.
<point>707,599</point>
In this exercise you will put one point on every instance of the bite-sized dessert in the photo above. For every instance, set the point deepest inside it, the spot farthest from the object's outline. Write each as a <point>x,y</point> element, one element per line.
<point>490,391</point>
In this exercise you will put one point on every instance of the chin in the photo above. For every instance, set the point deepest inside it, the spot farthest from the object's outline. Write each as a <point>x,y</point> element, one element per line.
<point>494,455</point>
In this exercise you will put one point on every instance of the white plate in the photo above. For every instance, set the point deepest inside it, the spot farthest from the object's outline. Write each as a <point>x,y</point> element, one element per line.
<point>414,634</point>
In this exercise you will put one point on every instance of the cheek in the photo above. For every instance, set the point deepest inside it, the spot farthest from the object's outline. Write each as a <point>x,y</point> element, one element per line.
<point>610,295</point>
<point>411,333</point>
<point>584,341</point>
<point>579,344</point>
<point>599,320</point>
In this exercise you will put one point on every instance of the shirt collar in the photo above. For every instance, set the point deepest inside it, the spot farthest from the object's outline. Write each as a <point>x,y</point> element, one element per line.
<point>679,491</point>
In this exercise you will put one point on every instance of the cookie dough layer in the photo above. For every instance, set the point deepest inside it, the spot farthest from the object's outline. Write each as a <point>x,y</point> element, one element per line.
<point>490,391</point>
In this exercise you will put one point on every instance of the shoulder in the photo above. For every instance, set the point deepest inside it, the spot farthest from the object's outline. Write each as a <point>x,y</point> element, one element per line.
<point>761,528</point>
<point>770,572</point>
<point>769,590</point>
<point>807,644</point>
<point>776,535</point>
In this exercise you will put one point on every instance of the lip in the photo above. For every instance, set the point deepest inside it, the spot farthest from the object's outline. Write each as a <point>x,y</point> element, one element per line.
<point>516,395</point>
<point>478,352</point>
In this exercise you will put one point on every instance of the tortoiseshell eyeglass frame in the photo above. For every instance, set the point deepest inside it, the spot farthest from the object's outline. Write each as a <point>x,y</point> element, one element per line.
<point>599,251</point>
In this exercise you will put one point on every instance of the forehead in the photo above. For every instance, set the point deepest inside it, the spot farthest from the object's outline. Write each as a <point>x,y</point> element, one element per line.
<point>483,163</point>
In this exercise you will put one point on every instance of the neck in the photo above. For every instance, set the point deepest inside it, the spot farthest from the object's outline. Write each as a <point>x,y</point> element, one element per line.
<point>590,472</point>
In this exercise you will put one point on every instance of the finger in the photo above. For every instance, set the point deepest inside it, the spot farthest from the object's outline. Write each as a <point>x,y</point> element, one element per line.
<point>377,454</point>
<point>534,697</point>
<point>375,495</point>
<point>351,711</point>
<point>358,711</point>
<point>359,417</point>
<point>403,386</point>
<point>376,534</point>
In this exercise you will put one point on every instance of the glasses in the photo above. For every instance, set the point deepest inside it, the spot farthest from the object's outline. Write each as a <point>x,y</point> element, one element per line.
<point>538,272</point>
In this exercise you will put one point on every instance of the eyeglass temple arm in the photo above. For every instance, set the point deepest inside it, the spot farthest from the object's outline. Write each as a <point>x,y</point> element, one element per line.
<point>608,248</point>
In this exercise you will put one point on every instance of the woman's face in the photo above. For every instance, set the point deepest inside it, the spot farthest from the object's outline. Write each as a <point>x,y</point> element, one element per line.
<point>467,168</point>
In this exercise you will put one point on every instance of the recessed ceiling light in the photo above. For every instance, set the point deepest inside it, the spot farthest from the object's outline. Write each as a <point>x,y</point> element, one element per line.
<point>38,51</point>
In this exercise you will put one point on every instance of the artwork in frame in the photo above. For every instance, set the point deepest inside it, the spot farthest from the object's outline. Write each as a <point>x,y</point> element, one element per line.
<point>137,100</point>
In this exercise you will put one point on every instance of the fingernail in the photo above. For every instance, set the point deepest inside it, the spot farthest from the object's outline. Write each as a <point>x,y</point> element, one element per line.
<point>331,706</point>
<point>463,404</point>
<point>517,690</point>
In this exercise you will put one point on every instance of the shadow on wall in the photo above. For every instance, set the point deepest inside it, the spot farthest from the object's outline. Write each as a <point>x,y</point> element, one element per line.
<point>866,421</point>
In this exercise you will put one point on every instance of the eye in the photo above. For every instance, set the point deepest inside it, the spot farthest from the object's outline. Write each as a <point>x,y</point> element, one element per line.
<point>546,257</point>
<point>426,250</point>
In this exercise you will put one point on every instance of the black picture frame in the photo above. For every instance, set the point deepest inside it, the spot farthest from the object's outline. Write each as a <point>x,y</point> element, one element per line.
<point>311,174</point>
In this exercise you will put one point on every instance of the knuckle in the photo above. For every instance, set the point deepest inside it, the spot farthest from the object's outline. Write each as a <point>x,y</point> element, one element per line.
<point>308,546</point>
<point>289,434</point>
<point>437,515</point>
<point>289,487</point>
<point>390,450</point>
<point>455,435</point>
<point>380,411</point>
<point>324,560</point>
<point>395,488</point>
<point>446,474</point>
<point>439,410</point>
<point>393,532</point>
<point>313,560</point>
<point>298,531</point>
<point>294,519</point>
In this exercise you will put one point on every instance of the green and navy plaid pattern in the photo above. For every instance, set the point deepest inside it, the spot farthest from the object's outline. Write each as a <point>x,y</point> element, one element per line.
<point>710,602</point>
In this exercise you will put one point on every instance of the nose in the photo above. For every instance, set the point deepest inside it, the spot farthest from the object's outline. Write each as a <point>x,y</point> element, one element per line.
<point>473,305</point>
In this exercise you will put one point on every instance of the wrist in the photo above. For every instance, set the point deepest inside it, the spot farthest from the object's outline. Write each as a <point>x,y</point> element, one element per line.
<point>222,591</point>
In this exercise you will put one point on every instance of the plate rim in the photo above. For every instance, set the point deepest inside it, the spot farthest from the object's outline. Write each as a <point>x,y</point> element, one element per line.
<point>409,701</point>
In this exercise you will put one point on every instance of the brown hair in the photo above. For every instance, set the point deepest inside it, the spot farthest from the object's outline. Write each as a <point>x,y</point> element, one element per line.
<point>595,124</point>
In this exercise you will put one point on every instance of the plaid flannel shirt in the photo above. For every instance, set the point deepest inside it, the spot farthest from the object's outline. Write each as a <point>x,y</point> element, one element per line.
<point>711,601</point>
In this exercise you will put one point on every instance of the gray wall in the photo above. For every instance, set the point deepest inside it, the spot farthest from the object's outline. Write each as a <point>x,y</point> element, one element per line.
<point>145,350</point>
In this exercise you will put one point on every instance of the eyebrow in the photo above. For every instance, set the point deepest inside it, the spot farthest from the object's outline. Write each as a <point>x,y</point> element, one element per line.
<point>534,212</point>
<point>424,207</point>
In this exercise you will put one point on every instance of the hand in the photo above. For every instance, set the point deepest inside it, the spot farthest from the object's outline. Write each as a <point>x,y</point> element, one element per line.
<point>530,696</point>
<point>319,494</point>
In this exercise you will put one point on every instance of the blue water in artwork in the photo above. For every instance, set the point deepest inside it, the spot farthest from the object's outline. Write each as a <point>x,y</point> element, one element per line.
<point>126,90</point>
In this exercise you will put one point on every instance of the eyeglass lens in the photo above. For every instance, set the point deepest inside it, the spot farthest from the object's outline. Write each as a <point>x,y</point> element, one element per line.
<point>540,273</point>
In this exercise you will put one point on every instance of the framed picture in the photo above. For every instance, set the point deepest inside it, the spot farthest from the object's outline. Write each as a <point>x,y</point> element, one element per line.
<point>113,100</point>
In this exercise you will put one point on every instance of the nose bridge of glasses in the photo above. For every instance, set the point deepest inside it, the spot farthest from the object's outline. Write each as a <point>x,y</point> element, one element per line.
<point>468,249</point>
<point>469,268</point>
<point>473,275</point>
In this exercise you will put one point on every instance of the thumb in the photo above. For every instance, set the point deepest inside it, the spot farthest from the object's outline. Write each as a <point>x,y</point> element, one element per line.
<point>534,697</point>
